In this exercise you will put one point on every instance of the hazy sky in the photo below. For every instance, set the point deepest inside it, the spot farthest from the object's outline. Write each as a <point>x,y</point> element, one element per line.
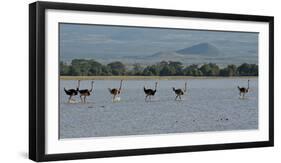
<point>84,41</point>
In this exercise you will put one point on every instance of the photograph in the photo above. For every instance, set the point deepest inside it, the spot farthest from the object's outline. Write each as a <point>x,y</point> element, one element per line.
<point>125,81</point>
<point>111,81</point>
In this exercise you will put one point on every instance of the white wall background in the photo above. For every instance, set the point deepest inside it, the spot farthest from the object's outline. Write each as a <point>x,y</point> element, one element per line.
<point>14,79</point>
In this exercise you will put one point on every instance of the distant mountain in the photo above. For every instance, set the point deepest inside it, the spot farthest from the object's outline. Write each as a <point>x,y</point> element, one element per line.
<point>203,49</point>
<point>196,54</point>
<point>165,55</point>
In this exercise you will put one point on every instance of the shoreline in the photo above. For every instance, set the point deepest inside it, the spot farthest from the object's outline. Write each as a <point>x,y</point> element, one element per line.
<point>149,77</point>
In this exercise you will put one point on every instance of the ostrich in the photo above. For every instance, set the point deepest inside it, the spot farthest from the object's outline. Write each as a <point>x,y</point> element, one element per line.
<point>244,90</point>
<point>179,92</point>
<point>85,92</point>
<point>71,92</point>
<point>115,91</point>
<point>149,92</point>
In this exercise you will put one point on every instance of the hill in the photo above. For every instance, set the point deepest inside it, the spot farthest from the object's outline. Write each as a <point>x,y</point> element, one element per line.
<point>203,49</point>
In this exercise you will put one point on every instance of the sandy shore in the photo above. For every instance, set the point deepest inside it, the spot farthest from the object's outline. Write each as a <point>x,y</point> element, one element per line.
<point>148,77</point>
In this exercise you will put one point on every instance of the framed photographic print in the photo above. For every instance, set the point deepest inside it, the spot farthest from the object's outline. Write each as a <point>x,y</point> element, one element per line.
<point>111,81</point>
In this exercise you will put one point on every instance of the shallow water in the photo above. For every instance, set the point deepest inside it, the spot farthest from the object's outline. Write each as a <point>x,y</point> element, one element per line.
<point>209,105</point>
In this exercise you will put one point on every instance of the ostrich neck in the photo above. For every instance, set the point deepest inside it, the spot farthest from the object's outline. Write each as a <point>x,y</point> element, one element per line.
<point>120,85</point>
<point>92,87</point>
<point>78,85</point>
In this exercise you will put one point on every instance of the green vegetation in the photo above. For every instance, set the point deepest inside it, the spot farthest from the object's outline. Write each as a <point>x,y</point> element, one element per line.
<point>83,67</point>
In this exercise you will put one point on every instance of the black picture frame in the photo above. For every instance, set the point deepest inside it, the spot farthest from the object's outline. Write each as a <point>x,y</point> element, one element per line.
<point>37,80</point>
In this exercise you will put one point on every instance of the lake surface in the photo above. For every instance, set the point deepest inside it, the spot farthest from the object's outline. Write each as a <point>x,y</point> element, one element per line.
<point>209,105</point>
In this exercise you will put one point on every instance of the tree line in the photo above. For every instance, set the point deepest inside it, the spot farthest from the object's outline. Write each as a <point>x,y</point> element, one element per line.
<point>84,67</point>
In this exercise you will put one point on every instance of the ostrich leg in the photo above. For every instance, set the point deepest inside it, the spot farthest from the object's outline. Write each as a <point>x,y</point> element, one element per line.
<point>113,99</point>
<point>176,98</point>
<point>69,98</point>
